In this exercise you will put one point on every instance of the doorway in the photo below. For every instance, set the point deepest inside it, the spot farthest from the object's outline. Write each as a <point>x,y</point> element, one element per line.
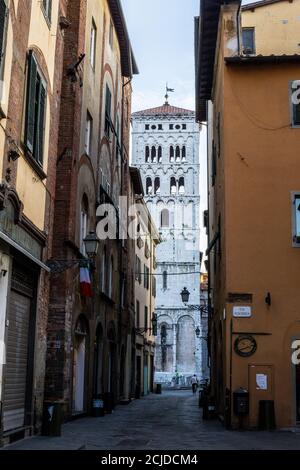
<point>79,366</point>
<point>297,374</point>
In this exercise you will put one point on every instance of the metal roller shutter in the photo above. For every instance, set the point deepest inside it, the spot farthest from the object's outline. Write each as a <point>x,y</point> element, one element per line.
<point>15,381</point>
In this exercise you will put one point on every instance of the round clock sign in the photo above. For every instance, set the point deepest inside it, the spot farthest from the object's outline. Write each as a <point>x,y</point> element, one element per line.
<point>245,345</point>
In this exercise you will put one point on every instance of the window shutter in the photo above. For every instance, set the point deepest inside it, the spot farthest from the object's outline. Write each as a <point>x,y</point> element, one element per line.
<point>3,16</point>
<point>41,125</point>
<point>30,107</point>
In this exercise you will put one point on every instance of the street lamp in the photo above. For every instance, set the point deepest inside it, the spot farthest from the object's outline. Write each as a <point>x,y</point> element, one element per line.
<point>185,295</point>
<point>197,331</point>
<point>91,243</point>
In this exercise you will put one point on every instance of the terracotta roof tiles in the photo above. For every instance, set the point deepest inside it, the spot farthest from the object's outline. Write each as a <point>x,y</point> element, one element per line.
<point>166,109</point>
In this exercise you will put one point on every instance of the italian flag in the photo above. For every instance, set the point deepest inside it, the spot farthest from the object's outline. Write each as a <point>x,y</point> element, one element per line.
<point>85,283</point>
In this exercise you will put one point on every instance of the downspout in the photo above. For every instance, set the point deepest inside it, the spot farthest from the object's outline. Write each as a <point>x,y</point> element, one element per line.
<point>238,23</point>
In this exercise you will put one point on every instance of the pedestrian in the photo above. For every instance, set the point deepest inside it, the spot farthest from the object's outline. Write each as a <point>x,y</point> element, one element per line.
<point>194,383</point>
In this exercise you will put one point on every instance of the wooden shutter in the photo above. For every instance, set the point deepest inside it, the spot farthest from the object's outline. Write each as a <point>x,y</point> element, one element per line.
<point>30,104</point>
<point>41,125</point>
<point>3,22</point>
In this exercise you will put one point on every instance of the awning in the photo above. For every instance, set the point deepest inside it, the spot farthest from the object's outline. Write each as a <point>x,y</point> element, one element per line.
<point>23,251</point>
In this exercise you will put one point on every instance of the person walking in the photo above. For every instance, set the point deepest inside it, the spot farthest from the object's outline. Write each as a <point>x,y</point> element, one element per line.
<point>194,383</point>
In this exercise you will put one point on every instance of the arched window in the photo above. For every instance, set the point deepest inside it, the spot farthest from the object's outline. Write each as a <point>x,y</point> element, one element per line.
<point>171,153</point>
<point>84,216</point>
<point>159,154</point>
<point>165,280</point>
<point>111,277</point>
<point>177,153</point>
<point>157,186</point>
<point>147,154</point>
<point>103,270</point>
<point>183,153</point>
<point>173,187</point>
<point>181,185</point>
<point>153,154</point>
<point>148,185</point>
<point>165,218</point>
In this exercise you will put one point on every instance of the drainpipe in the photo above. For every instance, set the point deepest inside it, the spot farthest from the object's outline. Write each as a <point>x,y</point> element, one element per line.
<point>238,23</point>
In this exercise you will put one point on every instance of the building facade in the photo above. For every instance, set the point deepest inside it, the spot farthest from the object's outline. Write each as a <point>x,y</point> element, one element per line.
<point>166,150</point>
<point>146,241</point>
<point>247,91</point>
<point>89,334</point>
<point>31,43</point>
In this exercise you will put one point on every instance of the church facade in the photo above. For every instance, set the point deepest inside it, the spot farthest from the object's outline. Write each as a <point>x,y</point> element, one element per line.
<point>166,151</point>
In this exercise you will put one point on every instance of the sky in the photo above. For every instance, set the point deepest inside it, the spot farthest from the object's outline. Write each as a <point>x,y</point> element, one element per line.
<point>162,37</point>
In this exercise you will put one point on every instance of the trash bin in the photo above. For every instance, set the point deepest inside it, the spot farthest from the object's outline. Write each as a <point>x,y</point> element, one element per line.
<point>267,421</point>
<point>201,397</point>
<point>98,406</point>
<point>52,418</point>
<point>158,389</point>
<point>137,392</point>
<point>109,402</point>
<point>241,402</point>
<point>209,407</point>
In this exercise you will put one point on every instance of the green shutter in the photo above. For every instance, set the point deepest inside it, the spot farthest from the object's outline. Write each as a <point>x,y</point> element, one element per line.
<point>41,125</point>
<point>30,104</point>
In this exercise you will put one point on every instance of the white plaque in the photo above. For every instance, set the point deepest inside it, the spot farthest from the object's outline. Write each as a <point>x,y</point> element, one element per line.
<point>242,312</point>
<point>261,382</point>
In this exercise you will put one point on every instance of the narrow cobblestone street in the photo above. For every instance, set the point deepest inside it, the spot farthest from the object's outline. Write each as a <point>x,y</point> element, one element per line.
<point>171,421</point>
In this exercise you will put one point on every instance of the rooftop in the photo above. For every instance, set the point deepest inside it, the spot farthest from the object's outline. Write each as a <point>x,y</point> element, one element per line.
<point>164,110</point>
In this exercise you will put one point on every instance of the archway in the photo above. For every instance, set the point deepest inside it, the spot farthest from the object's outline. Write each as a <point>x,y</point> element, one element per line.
<point>186,346</point>
<point>79,365</point>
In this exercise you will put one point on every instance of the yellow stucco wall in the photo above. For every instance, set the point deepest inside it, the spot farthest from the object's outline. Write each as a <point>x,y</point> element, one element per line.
<point>276,26</point>
<point>30,188</point>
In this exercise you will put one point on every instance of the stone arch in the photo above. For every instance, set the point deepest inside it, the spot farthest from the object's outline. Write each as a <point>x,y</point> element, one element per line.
<point>186,345</point>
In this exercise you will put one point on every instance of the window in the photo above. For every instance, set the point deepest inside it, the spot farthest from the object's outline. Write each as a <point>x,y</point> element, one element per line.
<point>111,277</point>
<point>183,153</point>
<point>177,127</point>
<point>171,127</point>
<point>177,153</point>
<point>138,270</point>
<point>107,111</point>
<point>147,127</point>
<point>157,186</point>
<point>118,146</point>
<point>148,185</point>
<point>153,154</point>
<point>296,219</point>
<point>153,127</point>
<point>35,111</point>
<point>84,211</point>
<point>147,154</point>
<point>111,34</point>
<point>164,218</point>
<point>248,40</point>
<point>171,153</point>
<point>47,9</point>
<point>103,270</point>
<point>159,154</point>
<point>165,280</point>
<point>181,185</point>
<point>154,286</point>
<point>3,31</point>
<point>93,45</point>
<point>137,314</point>
<point>160,127</point>
<point>146,277</point>
<point>184,127</point>
<point>173,186</point>
<point>88,133</point>
<point>295,98</point>
<point>213,164</point>
<point>146,317</point>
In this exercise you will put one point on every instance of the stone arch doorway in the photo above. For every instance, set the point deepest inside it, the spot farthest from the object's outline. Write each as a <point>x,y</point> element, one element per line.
<point>98,371</point>
<point>112,360</point>
<point>80,365</point>
<point>186,346</point>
